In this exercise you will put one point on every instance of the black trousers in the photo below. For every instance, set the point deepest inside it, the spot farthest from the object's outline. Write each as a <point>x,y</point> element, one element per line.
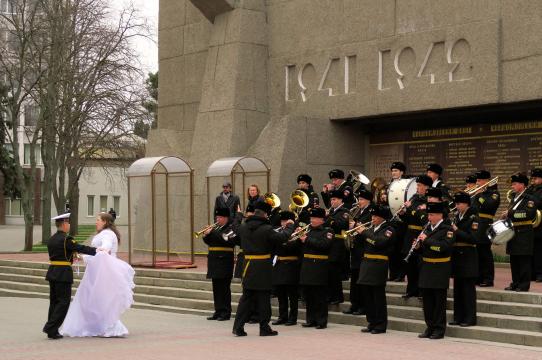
<point>356,292</point>
<point>396,265</point>
<point>434,310</point>
<point>521,271</point>
<point>59,302</point>
<point>413,274</point>
<point>222,297</point>
<point>261,299</point>
<point>486,266</point>
<point>287,295</point>
<point>316,304</point>
<point>335,287</point>
<point>376,308</point>
<point>465,300</point>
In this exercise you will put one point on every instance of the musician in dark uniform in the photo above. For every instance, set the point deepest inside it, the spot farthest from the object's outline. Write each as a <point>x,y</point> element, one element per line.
<point>397,170</point>
<point>258,240</point>
<point>221,242</point>
<point>521,212</point>
<point>373,272</point>
<point>435,195</point>
<point>470,182</point>
<point>304,182</point>
<point>62,249</point>
<point>535,190</point>
<point>435,247</point>
<point>415,217</point>
<point>338,183</point>
<point>286,276</point>
<point>434,171</point>
<point>464,262</point>
<point>363,216</point>
<point>314,269</point>
<point>485,204</point>
<point>338,220</point>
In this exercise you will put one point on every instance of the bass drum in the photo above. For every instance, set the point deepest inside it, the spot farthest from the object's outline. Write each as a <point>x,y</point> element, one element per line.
<point>500,232</point>
<point>400,191</point>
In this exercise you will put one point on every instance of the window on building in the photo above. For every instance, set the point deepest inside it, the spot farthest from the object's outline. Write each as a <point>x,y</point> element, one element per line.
<point>103,203</point>
<point>90,205</point>
<point>31,115</point>
<point>9,149</point>
<point>6,6</point>
<point>116,205</point>
<point>37,152</point>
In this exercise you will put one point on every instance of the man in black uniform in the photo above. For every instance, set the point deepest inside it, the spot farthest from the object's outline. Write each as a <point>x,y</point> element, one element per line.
<point>338,183</point>
<point>314,269</point>
<point>522,212</point>
<point>397,170</point>
<point>373,271</point>
<point>470,182</point>
<point>535,190</point>
<point>221,242</point>
<point>365,204</point>
<point>62,249</point>
<point>485,204</point>
<point>286,276</point>
<point>435,246</point>
<point>304,184</point>
<point>434,171</point>
<point>338,220</point>
<point>464,262</point>
<point>258,240</point>
<point>415,217</point>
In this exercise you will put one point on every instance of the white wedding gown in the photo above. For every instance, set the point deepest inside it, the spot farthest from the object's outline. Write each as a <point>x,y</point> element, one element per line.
<point>105,292</point>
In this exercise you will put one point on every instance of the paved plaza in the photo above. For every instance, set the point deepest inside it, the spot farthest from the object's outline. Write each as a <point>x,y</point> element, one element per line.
<point>161,335</point>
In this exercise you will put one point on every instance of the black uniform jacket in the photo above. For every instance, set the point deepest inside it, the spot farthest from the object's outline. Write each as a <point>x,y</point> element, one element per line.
<point>315,249</point>
<point>338,221</point>
<point>220,256</point>
<point>314,202</point>
<point>258,241</point>
<point>287,264</point>
<point>522,218</point>
<point>436,251</point>
<point>465,256</point>
<point>349,199</point>
<point>415,219</point>
<point>378,245</point>
<point>536,192</point>
<point>358,243</point>
<point>61,247</point>
<point>485,205</point>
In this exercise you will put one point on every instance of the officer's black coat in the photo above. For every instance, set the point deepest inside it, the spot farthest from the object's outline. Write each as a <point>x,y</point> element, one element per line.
<point>286,271</point>
<point>314,202</point>
<point>61,247</point>
<point>523,241</point>
<point>258,238</point>
<point>338,221</point>
<point>438,244</point>
<point>536,192</point>
<point>465,256</point>
<point>348,192</point>
<point>485,204</point>
<point>315,271</point>
<point>220,263</point>
<point>413,216</point>
<point>356,252</point>
<point>374,272</point>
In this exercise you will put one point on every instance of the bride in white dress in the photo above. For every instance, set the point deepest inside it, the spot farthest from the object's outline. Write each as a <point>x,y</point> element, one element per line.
<point>105,291</point>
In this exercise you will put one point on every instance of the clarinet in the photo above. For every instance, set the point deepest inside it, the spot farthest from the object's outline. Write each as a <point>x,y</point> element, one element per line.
<point>415,243</point>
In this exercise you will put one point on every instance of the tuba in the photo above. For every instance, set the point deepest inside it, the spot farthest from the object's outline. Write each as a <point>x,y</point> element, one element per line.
<point>376,186</point>
<point>298,200</point>
<point>358,179</point>
<point>272,199</point>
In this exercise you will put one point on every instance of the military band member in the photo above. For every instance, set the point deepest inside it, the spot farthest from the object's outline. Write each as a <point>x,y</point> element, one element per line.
<point>221,242</point>
<point>435,195</point>
<point>258,240</point>
<point>397,265</point>
<point>373,272</point>
<point>434,171</point>
<point>522,212</point>
<point>470,182</point>
<point>415,217</point>
<point>464,262</point>
<point>314,269</point>
<point>286,276</point>
<point>397,170</point>
<point>435,246</point>
<point>356,252</point>
<point>485,205</point>
<point>62,249</point>
<point>304,182</point>
<point>338,183</point>
<point>535,190</point>
<point>338,220</point>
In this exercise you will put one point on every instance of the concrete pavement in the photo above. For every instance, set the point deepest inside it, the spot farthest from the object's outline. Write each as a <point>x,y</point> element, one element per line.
<point>158,335</point>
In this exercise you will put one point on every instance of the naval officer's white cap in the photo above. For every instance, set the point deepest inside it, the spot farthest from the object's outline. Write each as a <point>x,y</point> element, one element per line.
<point>61,217</point>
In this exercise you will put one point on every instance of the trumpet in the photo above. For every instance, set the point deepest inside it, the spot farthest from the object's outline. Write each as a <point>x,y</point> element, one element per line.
<point>354,231</point>
<point>476,189</point>
<point>197,234</point>
<point>299,233</point>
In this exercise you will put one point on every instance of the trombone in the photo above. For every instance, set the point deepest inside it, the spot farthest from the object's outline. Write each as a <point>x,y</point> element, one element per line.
<point>299,233</point>
<point>298,200</point>
<point>475,189</point>
<point>197,234</point>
